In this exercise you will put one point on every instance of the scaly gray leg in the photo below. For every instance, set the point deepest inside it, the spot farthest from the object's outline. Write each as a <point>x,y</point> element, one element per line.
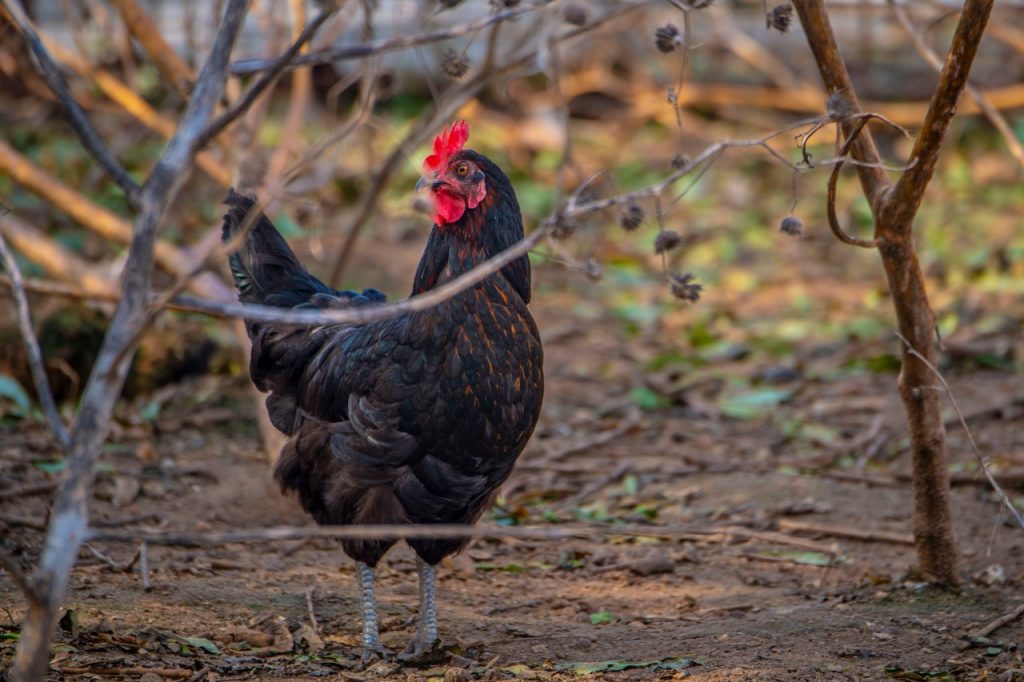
<point>371,636</point>
<point>426,628</point>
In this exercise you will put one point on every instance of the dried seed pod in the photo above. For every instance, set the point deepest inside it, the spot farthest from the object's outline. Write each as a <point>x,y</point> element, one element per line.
<point>593,270</point>
<point>666,241</point>
<point>564,226</point>
<point>454,64</point>
<point>780,17</point>
<point>575,14</point>
<point>631,217</point>
<point>684,288</point>
<point>838,106</point>
<point>679,161</point>
<point>792,226</point>
<point>667,38</point>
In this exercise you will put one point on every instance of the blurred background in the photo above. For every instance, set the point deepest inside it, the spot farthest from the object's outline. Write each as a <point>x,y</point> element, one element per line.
<point>772,396</point>
<point>351,210</point>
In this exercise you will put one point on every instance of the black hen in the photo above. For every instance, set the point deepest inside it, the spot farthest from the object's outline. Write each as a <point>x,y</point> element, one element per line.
<point>414,419</point>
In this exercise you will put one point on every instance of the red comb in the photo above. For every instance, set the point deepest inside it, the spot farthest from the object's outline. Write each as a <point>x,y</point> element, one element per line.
<point>447,143</point>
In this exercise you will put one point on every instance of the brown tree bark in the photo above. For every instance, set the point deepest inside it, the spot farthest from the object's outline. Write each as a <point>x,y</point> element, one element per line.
<point>894,207</point>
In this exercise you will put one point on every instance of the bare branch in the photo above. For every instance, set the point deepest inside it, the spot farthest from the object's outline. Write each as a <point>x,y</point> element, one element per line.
<point>35,354</point>
<point>68,524</point>
<point>409,531</point>
<point>73,111</point>
<point>982,460</point>
<point>400,42</point>
<point>163,55</point>
<point>134,105</point>
<point>822,41</point>
<point>88,280</point>
<point>268,78</point>
<point>997,119</point>
<point>909,189</point>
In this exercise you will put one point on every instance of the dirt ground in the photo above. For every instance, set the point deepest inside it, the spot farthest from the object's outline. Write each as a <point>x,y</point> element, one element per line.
<point>761,598</point>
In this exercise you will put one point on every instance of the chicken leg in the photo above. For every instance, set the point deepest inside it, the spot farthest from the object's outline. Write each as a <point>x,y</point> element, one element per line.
<point>371,635</point>
<point>426,626</point>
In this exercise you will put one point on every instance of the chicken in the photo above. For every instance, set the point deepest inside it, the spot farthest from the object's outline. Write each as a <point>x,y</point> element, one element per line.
<point>414,419</point>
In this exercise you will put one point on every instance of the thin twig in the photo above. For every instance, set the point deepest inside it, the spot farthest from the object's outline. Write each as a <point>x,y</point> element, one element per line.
<point>68,524</point>
<point>982,460</point>
<point>591,531</point>
<point>20,580</point>
<point>166,60</point>
<point>833,181</point>
<point>35,355</point>
<point>400,42</point>
<point>73,111</point>
<point>310,610</point>
<point>26,489</point>
<point>906,195</point>
<point>793,526</point>
<point>994,115</point>
<point>268,78</point>
<point>1000,622</point>
<point>144,565</point>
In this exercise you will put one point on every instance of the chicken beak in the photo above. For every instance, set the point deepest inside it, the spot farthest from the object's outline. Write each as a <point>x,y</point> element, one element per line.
<point>422,183</point>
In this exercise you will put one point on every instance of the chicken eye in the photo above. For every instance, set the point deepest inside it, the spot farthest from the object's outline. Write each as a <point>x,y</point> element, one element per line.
<point>462,169</point>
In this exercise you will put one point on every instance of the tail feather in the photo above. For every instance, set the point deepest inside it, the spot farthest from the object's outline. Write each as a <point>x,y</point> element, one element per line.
<point>264,262</point>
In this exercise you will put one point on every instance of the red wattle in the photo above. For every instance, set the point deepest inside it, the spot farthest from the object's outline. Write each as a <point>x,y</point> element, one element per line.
<point>448,208</point>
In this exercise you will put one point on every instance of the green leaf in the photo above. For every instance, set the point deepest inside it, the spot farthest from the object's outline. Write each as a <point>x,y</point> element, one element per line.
<point>286,226</point>
<point>9,635</point>
<point>204,644</point>
<point>806,558</point>
<point>507,568</point>
<point>602,617</point>
<point>13,391</point>
<point>150,411</point>
<point>646,399</point>
<point>751,404</point>
<point>54,467</point>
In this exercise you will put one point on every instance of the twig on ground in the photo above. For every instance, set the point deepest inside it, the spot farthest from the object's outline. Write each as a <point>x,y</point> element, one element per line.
<point>595,486</point>
<point>310,612</point>
<point>600,438</point>
<point>27,489</point>
<point>22,522</point>
<point>709,533</point>
<point>144,565</point>
<point>792,526</point>
<point>982,460</point>
<point>999,622</point>
<point>173,673</point>
<point>200,674</point>
<point>35,355</point>
<point>20,580</point>
<point>113,563</point>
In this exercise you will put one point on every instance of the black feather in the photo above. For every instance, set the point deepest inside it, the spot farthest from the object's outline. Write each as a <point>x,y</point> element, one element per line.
<point>414,419</point>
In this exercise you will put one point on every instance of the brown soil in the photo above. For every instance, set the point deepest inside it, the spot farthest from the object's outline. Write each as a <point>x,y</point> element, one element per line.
<point>747,606</point>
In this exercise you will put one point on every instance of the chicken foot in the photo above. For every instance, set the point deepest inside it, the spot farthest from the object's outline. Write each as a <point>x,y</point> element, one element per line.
<point>426,627</point>
<point>371,635</point>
